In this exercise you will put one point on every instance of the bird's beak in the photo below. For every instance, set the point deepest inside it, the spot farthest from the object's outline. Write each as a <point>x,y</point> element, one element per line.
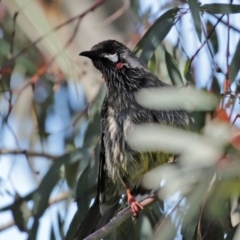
<point>89,54</point>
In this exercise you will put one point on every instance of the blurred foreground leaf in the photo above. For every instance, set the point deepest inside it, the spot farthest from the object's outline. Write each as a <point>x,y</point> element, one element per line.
<point>154,137</point>
<point>172,98</point>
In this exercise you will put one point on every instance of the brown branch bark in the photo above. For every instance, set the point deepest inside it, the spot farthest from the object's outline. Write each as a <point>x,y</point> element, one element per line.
<point>117,220</point>
<point>28,153</point>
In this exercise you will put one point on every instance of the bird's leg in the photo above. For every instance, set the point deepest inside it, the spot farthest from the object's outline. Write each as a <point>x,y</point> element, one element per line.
<point>136,207</point>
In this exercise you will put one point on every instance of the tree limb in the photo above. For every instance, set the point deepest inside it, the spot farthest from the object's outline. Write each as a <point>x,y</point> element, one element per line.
<point>4,151</point>
<point>118,220</point>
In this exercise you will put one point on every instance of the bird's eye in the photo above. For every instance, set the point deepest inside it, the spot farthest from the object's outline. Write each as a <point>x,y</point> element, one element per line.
<point>112,52</point>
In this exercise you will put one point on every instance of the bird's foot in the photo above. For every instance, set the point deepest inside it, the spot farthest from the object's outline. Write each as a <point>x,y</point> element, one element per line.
<point>136,207</point>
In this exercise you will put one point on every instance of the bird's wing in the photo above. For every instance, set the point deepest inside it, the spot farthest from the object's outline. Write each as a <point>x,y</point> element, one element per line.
<point>103,208</point>
<point>107,193</point>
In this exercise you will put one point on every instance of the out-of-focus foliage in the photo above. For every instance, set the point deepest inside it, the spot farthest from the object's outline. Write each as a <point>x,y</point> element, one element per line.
<point>50,135</point>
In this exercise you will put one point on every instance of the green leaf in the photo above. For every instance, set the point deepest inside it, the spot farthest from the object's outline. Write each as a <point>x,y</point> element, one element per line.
<point>87,180</point>
<point>4,47</point>
<point>213,38</point>
<point>21,214</point>
<point>93,130</point>
<point>152,63</point>
<point>235,64</point>
<point>60,225</point>
<point>173,70</point>
<point>195,10</point>
<point>193,201</point>
<point>187,67</point>
<point>154,213</point>
<point>72,228</point>
<point>52,235</point>
<point>187,72</point>
<point>41,196</point>
<point>216,8</point>
<point>5,79</point>
<point>128,230</point>
<point>155,34</point>
<point>34,229</point>
<point>190,221</point>
<point>197,120</point>
<point>82,199</point>
<point>27,64</point>
<point>18,201</point>
<point>215,86</point>
<point>71,171</point>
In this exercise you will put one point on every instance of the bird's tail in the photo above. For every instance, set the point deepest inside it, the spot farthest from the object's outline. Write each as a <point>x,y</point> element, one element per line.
<point>94,220</point>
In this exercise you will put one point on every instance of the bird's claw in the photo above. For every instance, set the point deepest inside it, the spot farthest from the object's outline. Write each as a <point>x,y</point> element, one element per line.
<point>136,207</point>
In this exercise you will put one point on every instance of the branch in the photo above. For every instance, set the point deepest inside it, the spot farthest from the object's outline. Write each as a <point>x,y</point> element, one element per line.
<point>28,153</point>
<point>52,201</point>
<point>225,23</point>
<point>118,220</point>
<point>80,16</point>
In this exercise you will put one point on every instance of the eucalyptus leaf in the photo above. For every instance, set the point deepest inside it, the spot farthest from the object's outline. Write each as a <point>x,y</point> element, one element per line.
<point>34,230</point>
<point>217,8</point>
<point>173,70</point>
<point>235,64</point>
<point>52,234</point>
<point>41,195</point>
<point>213,39</point>
<point>21,214</point>
<point>155,34</point>
<point>83,196</point>
<point>72,228</point>
<point>128,230</point>
<point>174,98</point>
<point>195,10</point>
<point>215,86</point>
<point>152,64</point>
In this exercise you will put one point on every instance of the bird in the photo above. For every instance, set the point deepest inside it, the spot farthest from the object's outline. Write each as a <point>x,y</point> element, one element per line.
<point>121,168</point>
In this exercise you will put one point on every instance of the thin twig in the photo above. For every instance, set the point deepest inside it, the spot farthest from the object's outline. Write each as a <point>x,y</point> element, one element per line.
<point>202,207</point>
<point>28,153</point>
<point>163,221</point>
<point>205,41</point>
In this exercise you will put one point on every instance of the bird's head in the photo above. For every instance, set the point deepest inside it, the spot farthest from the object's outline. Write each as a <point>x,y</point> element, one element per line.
<point>112,58</point>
